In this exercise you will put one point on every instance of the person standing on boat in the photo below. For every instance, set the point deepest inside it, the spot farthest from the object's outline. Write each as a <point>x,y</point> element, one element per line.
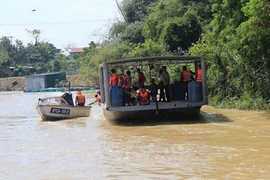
<point>80,99</point>
<point>128,87</point>
<point>143,98</point>
<point>166,82</point>
<point>128,79</point>
<point>199,78</point>
<point>153,90</point>
<point>161,85</point>
<point>141,78</point>
<point>113,78</point>
<point>122,82</point>
<point>186,77</point>
<point>199,74</point>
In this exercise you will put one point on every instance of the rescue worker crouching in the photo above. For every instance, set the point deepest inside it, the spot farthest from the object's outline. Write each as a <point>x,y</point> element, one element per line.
<point>80,99</point>
<point>98,97</point>
<point>143,98</point>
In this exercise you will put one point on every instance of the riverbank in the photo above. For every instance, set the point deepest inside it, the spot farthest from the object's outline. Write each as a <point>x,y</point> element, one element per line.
<point>18,83</point>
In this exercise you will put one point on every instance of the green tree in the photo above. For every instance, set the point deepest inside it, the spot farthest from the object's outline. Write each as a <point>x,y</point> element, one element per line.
<point>136,10</point>
<point>35,33</point>
<point>41,53</point>
<point>20,56</point>
<point>6,46</point>
<point>175,23</point>
<point>254,46</point>
<point>235,48</point>
<point>92,57</point>
<point>4,59</point>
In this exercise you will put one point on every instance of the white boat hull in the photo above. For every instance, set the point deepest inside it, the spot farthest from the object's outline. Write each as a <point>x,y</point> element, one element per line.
<point>58,112</point>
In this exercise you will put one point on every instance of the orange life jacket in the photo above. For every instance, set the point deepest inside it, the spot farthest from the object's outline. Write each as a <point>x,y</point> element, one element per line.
<point>186,75</point>
<point>114,79</point>
<point>81,99</point>
<point>98,97</point>
<point>143,95</point>
<point>199,75</point>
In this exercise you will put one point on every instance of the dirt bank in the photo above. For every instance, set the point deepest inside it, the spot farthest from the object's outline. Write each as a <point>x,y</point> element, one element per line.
<point>18,83</point>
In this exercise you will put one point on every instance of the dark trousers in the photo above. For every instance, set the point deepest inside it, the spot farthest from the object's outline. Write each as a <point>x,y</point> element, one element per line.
<point>126,95</point>
<point>186,89</point>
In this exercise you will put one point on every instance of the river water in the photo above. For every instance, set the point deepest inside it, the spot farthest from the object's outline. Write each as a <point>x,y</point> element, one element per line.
<point>223,144</point>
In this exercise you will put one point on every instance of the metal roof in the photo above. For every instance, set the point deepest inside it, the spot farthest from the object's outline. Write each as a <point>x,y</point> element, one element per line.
<point>156,58</point>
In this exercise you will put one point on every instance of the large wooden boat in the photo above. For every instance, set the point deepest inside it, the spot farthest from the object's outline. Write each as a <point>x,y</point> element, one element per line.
<point>61,107</point>
<point>180,105</point>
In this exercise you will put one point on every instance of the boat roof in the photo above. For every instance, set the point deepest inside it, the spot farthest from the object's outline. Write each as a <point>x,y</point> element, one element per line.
<point>156,58</point>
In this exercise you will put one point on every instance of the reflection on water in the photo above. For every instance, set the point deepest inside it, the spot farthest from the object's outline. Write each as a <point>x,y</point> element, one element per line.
<point>220,144</point>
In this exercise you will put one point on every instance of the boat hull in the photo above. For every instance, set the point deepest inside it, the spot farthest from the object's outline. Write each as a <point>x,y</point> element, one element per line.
<point>57,112</point>
<point>150,113</point>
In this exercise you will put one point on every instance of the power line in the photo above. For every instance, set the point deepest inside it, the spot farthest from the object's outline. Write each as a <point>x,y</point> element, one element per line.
<point>52,23</point>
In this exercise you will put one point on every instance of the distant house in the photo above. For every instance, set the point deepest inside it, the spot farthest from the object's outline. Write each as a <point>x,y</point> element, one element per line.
<point>29,69</point>
<point>75,51</point>
<point>43,81</point>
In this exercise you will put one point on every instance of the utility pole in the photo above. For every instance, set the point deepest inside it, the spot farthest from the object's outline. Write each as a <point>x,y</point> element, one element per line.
<point>121,11</point>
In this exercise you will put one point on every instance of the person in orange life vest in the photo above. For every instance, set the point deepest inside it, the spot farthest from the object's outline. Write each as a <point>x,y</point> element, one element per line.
<point>122,82</point>
<point>114,78</point>
<point>186,77</point>
<point>143,98</point>
<point>141,78</point>
<point>199,78</point>
<point>199,74</point>
<point>98,96</point>
<point>80,99</point>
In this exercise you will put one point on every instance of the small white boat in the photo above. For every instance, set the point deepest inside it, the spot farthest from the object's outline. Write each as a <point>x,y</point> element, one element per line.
<point>61,107</point>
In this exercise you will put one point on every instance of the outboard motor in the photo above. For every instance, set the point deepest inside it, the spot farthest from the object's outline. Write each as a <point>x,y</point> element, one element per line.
<point>68,98</point>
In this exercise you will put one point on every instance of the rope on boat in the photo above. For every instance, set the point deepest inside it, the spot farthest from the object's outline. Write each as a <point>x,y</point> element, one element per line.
<point>167,116</point>
<point>157,113</point>
<point>145,117</point>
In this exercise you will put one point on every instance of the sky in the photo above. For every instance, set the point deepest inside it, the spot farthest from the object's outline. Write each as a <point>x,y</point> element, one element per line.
<point>61,22</point>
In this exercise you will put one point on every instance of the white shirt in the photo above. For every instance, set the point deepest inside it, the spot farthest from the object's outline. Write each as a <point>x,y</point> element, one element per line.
<point>166,80</point>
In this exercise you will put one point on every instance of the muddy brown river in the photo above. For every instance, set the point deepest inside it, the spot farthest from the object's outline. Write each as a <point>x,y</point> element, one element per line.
<point>221,144</point>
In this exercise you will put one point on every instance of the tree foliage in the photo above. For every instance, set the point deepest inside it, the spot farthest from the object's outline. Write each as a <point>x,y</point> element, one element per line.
<point>237,51</point>
<point>136,10</point>
<point>175,23</point>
